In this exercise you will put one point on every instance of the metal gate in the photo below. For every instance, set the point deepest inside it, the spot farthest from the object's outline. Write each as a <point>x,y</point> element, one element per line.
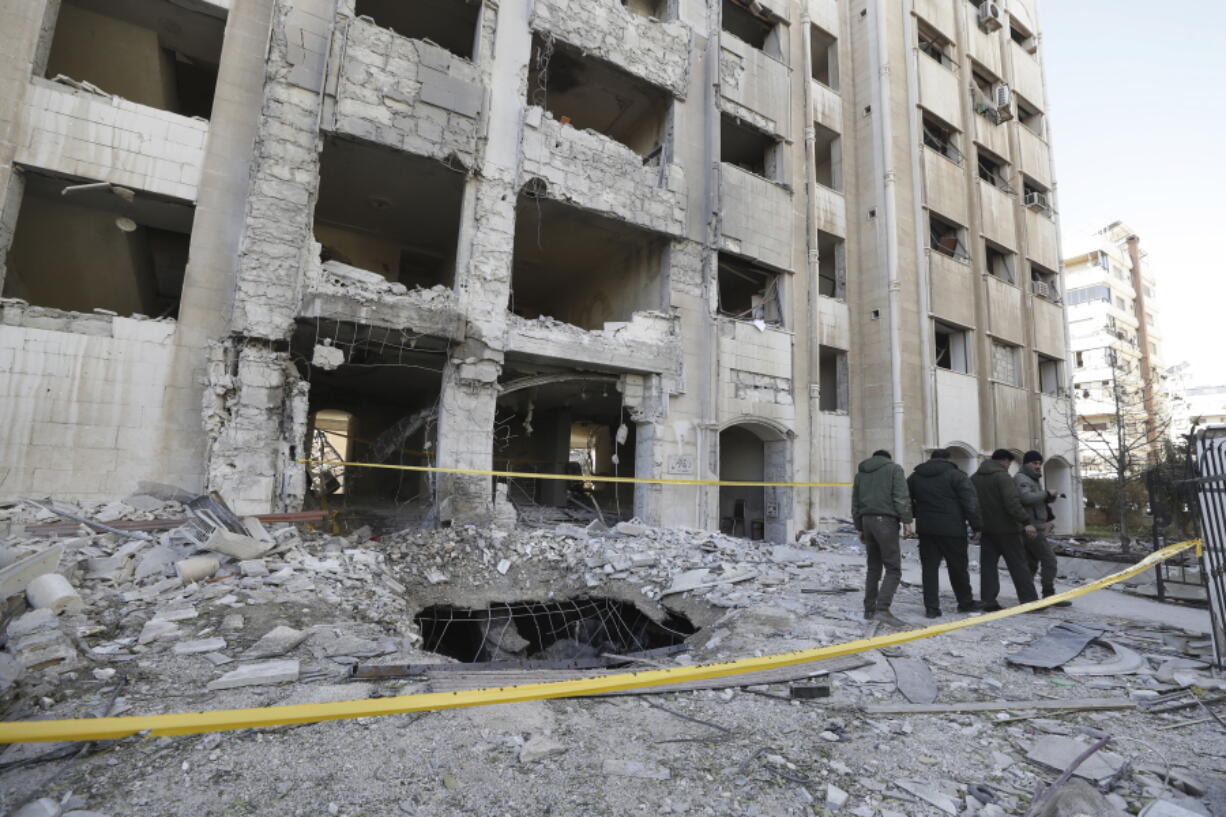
<point>1209,447</point>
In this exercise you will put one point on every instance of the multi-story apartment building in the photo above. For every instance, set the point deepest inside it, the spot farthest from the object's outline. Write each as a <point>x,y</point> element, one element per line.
<point>674,239</point>
<point>1118,372</point>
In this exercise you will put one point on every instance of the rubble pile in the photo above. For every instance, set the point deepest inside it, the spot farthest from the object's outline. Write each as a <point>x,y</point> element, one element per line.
<point>194,615</point>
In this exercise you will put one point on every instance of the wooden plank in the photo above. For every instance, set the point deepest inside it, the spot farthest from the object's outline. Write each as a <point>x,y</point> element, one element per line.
<point>457,681</point>
<point>998,706</point>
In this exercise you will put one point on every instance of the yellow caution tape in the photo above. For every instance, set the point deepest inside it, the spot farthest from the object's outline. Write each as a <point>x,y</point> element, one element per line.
<point>185,723</point>
<point>575,477</point>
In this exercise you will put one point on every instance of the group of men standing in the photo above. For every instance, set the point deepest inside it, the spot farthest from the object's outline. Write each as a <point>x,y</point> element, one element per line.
<point>1011,515</point>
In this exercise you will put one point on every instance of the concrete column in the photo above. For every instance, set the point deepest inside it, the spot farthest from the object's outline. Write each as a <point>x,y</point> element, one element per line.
<point>465,420</point>
<point>212,268</point>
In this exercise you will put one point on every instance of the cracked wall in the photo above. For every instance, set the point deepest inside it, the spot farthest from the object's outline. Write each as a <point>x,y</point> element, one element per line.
<point>594,172</point>
<point>407,94</point>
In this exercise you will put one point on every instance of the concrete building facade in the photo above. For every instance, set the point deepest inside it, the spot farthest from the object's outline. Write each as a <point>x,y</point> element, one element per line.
<point>1117,349</point>
<point>671,239</point>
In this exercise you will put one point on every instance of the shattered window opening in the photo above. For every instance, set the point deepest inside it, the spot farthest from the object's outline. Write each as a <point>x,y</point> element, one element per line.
<point>754,29</point>
<point>951,347</point>
<point>749,291</point>
<point>999,263</point>
<point>993,170</point>
<point>831,266</point>
<point>833,380</point>
<point>824,53</point>
<point>585,627</point>
<point>946,238</point>
<point>749,148</point>
<point>83,245</point>
<point>941,138</point>
<point>170,54</point>
<point>452,24</point>
<point>936,46</point>
<point>590,94</point>
<point>828,157</point>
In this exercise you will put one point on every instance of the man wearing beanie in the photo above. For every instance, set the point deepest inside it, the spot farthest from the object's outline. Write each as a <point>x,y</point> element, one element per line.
<point>1003,521</point>
<point>945,504</point>
<point>1035,499</point>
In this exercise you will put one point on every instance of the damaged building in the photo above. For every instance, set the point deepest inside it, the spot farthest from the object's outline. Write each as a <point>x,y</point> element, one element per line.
<point>243,242</point>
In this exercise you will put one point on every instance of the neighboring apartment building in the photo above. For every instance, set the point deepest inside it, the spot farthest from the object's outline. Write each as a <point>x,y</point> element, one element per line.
<point>1117,350</point>
<point>1199,405</point>
<point>678,239</point>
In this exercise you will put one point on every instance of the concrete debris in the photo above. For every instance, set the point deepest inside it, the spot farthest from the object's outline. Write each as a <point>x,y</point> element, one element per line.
<point>268,672</point>
<point>200,645</point>
<point>1125,662</point>
<point>836,798</point>
<point>1165,808</point>
<point>930,794</point>
<point>327,357</point>
<point>538,747</point>
<point>236,546</point>
<point>156,629</point>
<point>636,768</point>
<point>197,568</point>
<point>1061,644</point>
<point>42,807</point>
<point>253,568</point>
<point>1078,798</point>
<point>233,622</point>
<point>18,574</point>
<point>54,592</point>
<point>1058,753</point>
<point>277,641</point>
<point>44,650</point>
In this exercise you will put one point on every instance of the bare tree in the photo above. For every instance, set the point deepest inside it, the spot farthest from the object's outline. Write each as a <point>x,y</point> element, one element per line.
<point>1129,436</point>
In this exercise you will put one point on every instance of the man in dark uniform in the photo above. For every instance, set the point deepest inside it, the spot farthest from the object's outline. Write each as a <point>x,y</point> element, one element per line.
<point>1004,523</point>
<point>945,504</point>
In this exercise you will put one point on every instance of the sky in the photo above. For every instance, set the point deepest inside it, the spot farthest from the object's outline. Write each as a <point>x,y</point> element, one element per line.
<point>1137,111</point>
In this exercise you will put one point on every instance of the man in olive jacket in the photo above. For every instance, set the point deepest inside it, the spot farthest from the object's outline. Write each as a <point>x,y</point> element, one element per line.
<point>879,502</point>
<point>1004,521</point>
<point>945,504</point>
<point>1040,556</point>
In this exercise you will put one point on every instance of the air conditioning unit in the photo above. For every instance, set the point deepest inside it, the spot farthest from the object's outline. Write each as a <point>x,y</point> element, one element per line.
<point>1037,201</point>
<point>1002,96</point>
<point>991,18</point>
<point>1041,288</point>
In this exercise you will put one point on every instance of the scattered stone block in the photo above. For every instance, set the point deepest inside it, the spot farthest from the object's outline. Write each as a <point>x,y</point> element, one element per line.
<point>156,628</point>
<point>266,672</point>
<point>836,798</point>
<point>253,567</point>
<point>197,568</point>
<point>233,623</point>
<point>42,807</point>
<point>632,529</point>
<point>54,592</point>
<point>32,622</point>
<point>17,575</point>
<point>44,650</point>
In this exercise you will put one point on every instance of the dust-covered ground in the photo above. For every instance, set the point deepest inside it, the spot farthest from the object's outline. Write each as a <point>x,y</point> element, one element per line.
<point>310,605</point>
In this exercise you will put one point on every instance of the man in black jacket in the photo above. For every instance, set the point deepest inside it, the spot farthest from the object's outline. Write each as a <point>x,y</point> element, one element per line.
<point>1004,523</point>
<point>945,503</point>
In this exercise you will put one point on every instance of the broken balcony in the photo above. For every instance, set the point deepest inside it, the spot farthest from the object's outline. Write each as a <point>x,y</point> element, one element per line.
<point>630,34</point>
<point>554,420</point>
<point>374,399</point>
<point>452,24</point>
<point>586,287</point>
<point>755,84</point>
<point>590,94</point>
<point>82,245</point>
<point>408,94</point>
<point>157,53</point>
<point>388,226</point>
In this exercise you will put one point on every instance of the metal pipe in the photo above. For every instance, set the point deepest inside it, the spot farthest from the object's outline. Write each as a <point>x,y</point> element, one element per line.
<point>887,233</point>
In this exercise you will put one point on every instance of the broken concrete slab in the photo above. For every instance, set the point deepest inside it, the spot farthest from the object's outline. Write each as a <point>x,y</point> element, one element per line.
<point>1125,662</point>
<point>43,650</point>
<point>254,568</point>
<point>636,768</point>
<point>175,614</point>
<point>930,794</point>
<point>1061,644</point>
<point>10,670</point>
<point>836,798</point>
<point>42,807</point>
<point>200,645</point>
<point>1165,808</point>
<point>277,641</point>
<point>156,629</point>
<point>1078,798</point>
<point>266,672</point>
<point>915,681</point>
<point>1057,752</point>
<point>236,545</point>
<point>156,561</point>
<point>32,622</point>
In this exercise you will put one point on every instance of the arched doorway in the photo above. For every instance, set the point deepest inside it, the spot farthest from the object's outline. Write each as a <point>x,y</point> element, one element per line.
<point>1058,478</point>
<point>964,457</point>
<point>754,452</point>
